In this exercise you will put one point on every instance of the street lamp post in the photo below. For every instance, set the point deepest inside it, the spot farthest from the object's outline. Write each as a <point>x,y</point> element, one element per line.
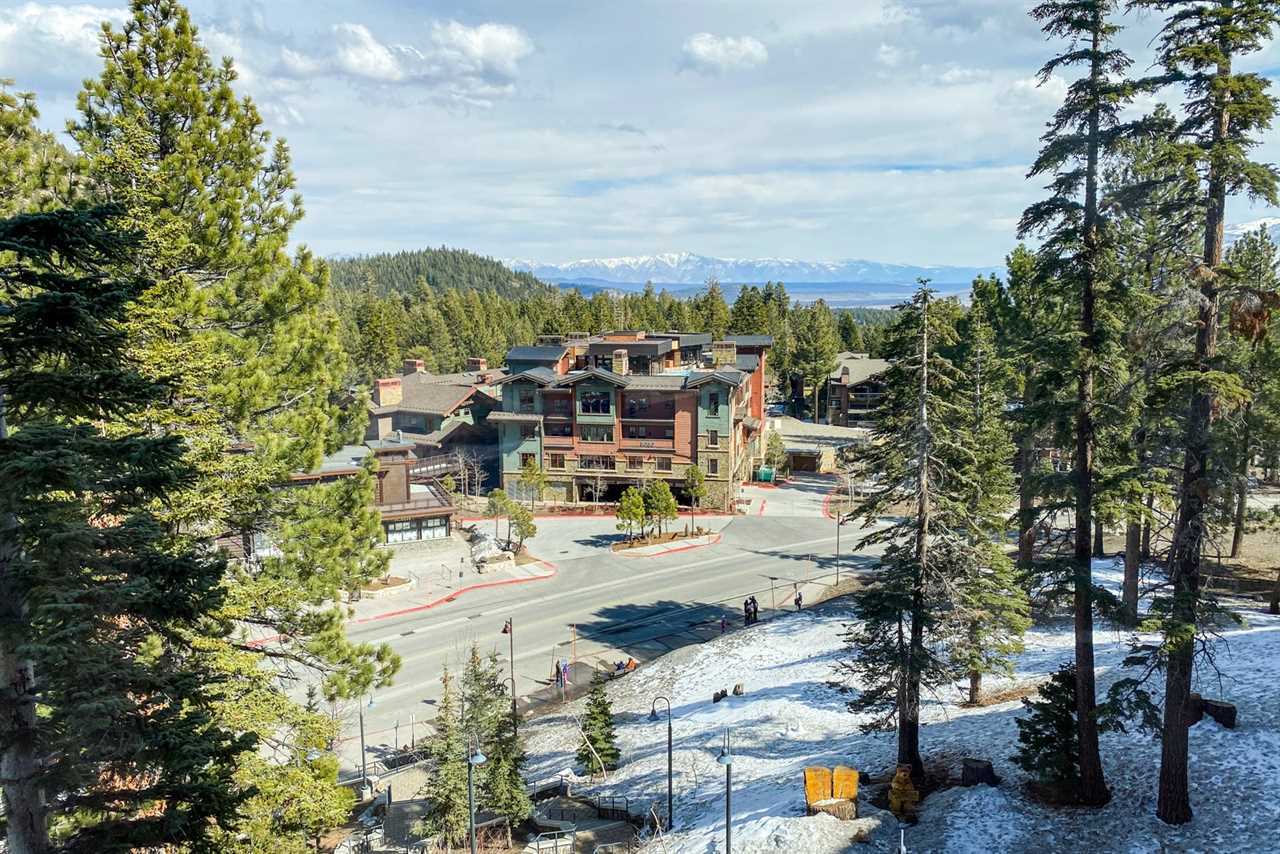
<point>653,716</point>
<point>474,759</point>
<point>838,520</point>
<point>726,759</point>
<point>364,762</point>
<point>510,631</point>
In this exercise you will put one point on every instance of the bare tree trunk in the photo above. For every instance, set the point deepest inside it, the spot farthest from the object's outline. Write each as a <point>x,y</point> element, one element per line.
<point>23,799</point>
<point>1173,805</point>
<point>1132,560</point>
<point>1242,486</point>
<point>975,686</point>
<point>1145,551</point>
<point>1275,595</point>
<point>1099,544</point>
<point>1027,502</point>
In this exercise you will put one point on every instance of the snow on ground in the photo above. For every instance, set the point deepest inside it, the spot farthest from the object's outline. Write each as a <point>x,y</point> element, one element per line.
<point>791,717</point>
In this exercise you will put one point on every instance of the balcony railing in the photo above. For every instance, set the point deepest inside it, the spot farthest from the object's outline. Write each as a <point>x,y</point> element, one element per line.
<point>657,444</point>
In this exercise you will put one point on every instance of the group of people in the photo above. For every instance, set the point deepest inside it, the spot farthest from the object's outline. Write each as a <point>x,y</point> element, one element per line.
<point>750,611</point>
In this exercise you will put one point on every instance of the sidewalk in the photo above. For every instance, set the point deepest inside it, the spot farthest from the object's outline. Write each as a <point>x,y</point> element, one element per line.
<point>671,547</point>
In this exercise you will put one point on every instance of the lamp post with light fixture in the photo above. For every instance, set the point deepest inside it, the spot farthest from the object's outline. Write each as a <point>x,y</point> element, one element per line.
<point>726,759</point>
<point>474,759</point>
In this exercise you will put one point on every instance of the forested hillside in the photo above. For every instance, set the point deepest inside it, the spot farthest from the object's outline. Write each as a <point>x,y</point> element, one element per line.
<point>440,268</point>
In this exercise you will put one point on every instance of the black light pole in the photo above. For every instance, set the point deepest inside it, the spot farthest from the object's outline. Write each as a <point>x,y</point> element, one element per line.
<point>837,548</point>
<point>474,758</point>
<point>364,763</point>
<point>726,759</point>
<point>653,716</point>
<point>510,631</point>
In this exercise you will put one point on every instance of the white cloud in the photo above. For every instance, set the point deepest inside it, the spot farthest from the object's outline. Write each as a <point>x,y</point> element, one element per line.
<point>41,41</point>
<point>459,63</point>
<point>891,56</point>
<point>1032,94</point>
<point>711,54</point>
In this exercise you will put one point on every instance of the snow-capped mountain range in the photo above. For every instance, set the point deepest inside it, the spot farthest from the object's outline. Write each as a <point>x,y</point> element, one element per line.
<point>686,268</point>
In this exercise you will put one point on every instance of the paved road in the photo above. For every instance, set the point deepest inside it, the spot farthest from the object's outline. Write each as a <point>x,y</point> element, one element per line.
<point>621,606</point>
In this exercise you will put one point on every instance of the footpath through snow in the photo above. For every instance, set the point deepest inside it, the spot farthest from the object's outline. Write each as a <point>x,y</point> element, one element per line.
<point>793,716</point>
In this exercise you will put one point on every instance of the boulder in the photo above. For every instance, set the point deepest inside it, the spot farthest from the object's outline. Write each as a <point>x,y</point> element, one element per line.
<point>1222,712</point>
<point>975,771</point>
<point>738,690</point>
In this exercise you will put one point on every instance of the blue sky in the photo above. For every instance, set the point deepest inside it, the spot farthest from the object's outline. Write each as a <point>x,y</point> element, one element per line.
<point>894,130</point>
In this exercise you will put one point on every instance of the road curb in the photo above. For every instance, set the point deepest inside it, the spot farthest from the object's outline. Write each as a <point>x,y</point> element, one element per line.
<point>684,548</point>
<point>459,592</point>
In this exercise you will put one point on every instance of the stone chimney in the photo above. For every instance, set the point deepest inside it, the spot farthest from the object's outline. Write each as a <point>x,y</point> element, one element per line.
<point>387,391</point>
<point>413,366</point>
<point>475,363</point>
<point>620,365</point>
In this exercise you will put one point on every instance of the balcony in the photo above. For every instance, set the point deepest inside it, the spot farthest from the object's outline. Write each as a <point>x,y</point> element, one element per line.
<point>557,441</point>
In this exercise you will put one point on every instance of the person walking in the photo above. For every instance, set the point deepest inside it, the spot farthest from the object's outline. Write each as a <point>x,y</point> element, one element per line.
<point>755,610</point>
<point>559,674</point>
<point>746,612</point>
<point>799,600</point>
<point>724,625</point>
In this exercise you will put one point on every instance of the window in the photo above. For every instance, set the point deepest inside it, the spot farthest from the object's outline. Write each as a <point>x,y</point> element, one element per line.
<point>557,461</point>
<point>713,403</point>
<point>637,407</point>
<point>597,402</point>
<point>713,438</point>
<point>713,466</point>
<point>636,431</point>
<point>412,530</point>
<point>594,463</point>
<point>552,428</point>
<point>668,432</point>
<point>526,459</point>
<point>525,400</point>
<point>635,462</point>
<point>664,463</point>
<point>596,432</point>
<point>528,431</point>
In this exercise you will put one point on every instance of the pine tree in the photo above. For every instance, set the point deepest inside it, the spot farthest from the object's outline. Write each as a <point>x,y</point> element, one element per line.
<point>107,725</point>
<point>1199,46</point>
<point>1085,129</point>
<point>991,610</point>
<point>522,522</point>
<point>850,333</point>
<point>534,480</point>
<point>713,312</point>
<point>504,788</point>
<point>749,316</point>
<point>34,168</point>
<point>448,815</point>
<point>895,641</point>
<point>599,749</point>
<point>245,332</point>
<point>1049,738</point>
<point>484,701</point>
<point>815,348</point>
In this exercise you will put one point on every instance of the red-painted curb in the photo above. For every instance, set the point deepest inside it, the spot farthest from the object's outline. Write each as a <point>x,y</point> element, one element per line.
<point>673,551</point>
<point>711,514</point>
<point>826,503</point>
<point>257,642</point>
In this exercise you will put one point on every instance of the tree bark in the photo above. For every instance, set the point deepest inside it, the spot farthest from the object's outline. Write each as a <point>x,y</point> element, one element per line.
<point>1242,486</point>
<point>1274,606</point>
<point>1173,804</point>
<point>1145,550</point>
<point>1093,787</point>
<point>975,686</point>
<point>27,832</point>
<point>1099,543</point>
<point>1026,490</point>
<point>909,698</point>
<point>1132,560</point>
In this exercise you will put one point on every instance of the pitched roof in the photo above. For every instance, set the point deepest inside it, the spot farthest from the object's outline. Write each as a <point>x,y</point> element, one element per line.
<point>861,367</point>
<point>576,377</point>
<point>656,382</point>
<point>728,376</point>
<point>540,375</point>
<point>419,394</point>
<point>747,362</point>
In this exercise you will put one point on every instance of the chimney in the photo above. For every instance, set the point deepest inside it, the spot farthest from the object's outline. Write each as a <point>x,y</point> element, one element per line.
<point>475,363</point>
<point>413,366</point>
<point>620,362</point>
<point>388,391</point>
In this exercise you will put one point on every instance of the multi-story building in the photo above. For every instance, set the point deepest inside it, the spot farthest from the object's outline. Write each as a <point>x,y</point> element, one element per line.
<point>854,390</point>
<point>601,413</point>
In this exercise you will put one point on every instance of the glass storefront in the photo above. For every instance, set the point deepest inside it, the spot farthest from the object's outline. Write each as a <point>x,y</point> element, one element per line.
<point>412,530</point>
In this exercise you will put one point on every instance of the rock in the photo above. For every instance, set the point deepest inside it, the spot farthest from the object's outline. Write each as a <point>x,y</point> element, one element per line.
<point>875,828</point>
<point>1222,712</point>
<point>738,690</point>
<point>841,808</point>
<point>719,695</point>
<point>975,771</point>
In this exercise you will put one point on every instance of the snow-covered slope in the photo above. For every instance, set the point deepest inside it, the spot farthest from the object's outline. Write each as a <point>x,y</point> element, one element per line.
<point>690,269</point>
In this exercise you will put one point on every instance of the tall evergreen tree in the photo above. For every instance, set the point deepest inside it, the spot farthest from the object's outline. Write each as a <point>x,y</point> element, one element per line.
<point>108,725</point>
<point>1083,131</point>
<point>749,315</point>
<point>713,311</point>
<point>851,333</point>
<point>990,611</point>
<point>34,167</point>
<point>815,348</point>
<point>895,643</point>
<point>245,332</point>
<point>448,816</point>
<point>504,788</point>
<point>1199,46</point>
